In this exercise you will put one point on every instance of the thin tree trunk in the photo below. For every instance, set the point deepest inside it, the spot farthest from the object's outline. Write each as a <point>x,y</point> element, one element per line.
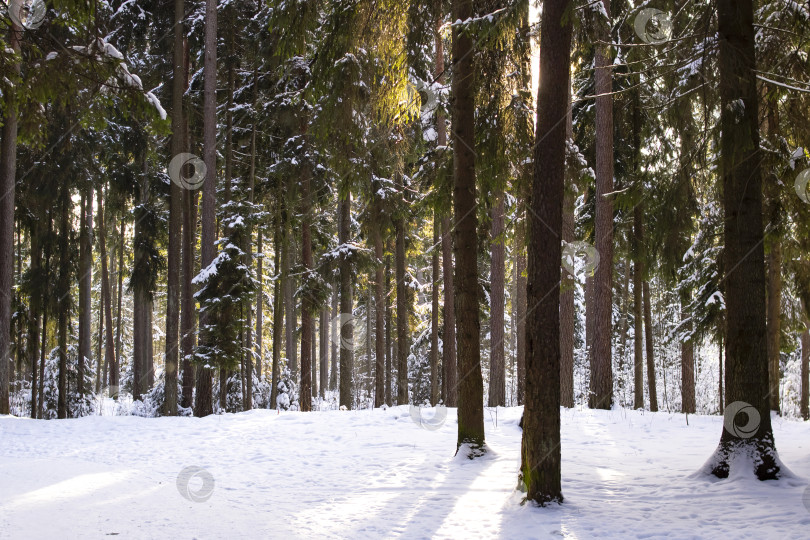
<point>307,306</point>
<point>188,313</point>
<point>324,351</point>
<point>260,305</point>
<point>388,323</point>
<point>468,324</point>
<point>403,315</point>
<point>774,320</point>
<point>204,399</point>
<point>497,361</point>
<point>379,292</point>
<point>688,404</point>
<point>63,302</point>
<point>804,406</point>
<point>42,352</point>
<point>346,302</point>
<point>8,175</point>
<point>142,299</point>
<point>520,300</point>
<point>34,313</point>
<point>85,286</point>
<point>648,334</point>
<point>567,300</point>
<point>434,316</point>
<point>638,334</point>
<point>540,452</point>
<point>720,363</point>
<point>291,318</point>
<point>109,345</point>
<point>278,309</point>
<point>119,301</point>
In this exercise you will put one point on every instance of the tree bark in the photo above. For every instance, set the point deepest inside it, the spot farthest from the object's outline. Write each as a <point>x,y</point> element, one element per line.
<point>333,383</point>
<point>119,299</point>
<point>638,334</point>
<point>290,316</point>
<point>278,308</point>
<point>388,323</point>
<point>379,293</point>
<point>601,396</point>
<point>204,401</point>
<point>804,406</point>
<point>468,324</point>
<point>497,361</point>
<point>109,345</point>
<point>774,320</point>
<point>85,286</point>
<point>567,300</point>
<point>403,312</point>
<point>540,449</point>
<point>307,306</point>
<point>63,302</point>
<point>188,313</point>
<point>34,313</point>
<point>324,351</point>
<point>745,281</point>
<point>434,313</point>
<point>688,404</point>
<point>259,305</point>
<point>8,178</point>
<point>648,333</point>
<point>346,302</point>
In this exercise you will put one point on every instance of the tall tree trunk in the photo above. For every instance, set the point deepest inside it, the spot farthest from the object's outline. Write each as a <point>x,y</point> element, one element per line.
<point>379,293</point>
<point>278,308</point>
<point>324,351</point>
<point>720,380</point>
<point>601,396</point>
<point>63,303</point>
<point>434,315</point>
<point>774,320</point>
<point>388,323</point>
<point>119,298</point>
<point>688,404</point>
<point>520,300</point>
<point>34,314</point>
<point>745,282</point>
<point>248,249</point>
<point>468,323</point>
<point>804,405</point>
<point>333,373</point>
<point>142,297</point>
<point>638,335</point>
<point>567,300</point>
<point>540,451</point>
<point>648,334</point>
<point>497,361</point>
<point>85,285</point>
<point>403,313</point>
<point>109,345</point>
<point>188,313</point>
<point>307,306</point>
<point>8,178</point>
<point>346,302</point>
<point>291,318</point>
<point>204,405</point>
<point>259,305</point>
<point>42,351</point>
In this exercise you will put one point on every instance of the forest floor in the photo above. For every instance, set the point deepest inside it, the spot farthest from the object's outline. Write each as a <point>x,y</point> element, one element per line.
<point>378,474</point>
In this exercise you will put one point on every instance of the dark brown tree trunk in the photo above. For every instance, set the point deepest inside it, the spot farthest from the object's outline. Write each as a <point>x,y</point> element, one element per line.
<point>688,404</point>
<point>333,382</point>
<point>747,383</point>
<point>468,323</point>
<point>307,306</point>
<point>119,298</point>
<point>540,448</point>
<point>774,320</point>
<point>290,316</point>
<point>324,351</point>
<point>346,302</point>
<point>85,286</point>
<point>388,323</point>
<point>42,351</point>
<point>403,312</point>
<point>204,400</point>
<point>379,293</point>
<point>804,405</point>
<point>8,178</point>
<point>567,305</point>
<point>63,303</point>
<point>34,314</point>
<point>497,361</point>
<point>638,334</point>
<point>434,315</point>
<point>601,396</point>
<point>259,305</point>
<point>142,303</point>
<point>520,300</point>
<point>648,334</point>
<point>109,345</point>
<point>720,383</point>
<point>188,313</point>
<point>278,309</point>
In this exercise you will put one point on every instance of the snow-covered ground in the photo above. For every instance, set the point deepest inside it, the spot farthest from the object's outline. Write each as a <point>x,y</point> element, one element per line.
<point>377,474</point>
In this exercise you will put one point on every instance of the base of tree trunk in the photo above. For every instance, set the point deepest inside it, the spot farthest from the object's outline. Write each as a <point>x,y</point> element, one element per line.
<point>471,450</point>
<point>740,458</point>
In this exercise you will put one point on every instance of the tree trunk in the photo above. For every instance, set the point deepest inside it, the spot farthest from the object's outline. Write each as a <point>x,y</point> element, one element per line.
<point>746,353</point>
<point>324,351</point>
<point>804,406</point>
<point>497,361</point>
<point>142,300</point>
<point>379,293</point>
<point>403,313</point>
<point>34,312</point>
<point>188,313</point>
<point>259,305</point>
<point>63,302</point>
<point>109,345</point>
<point>335,340</point>
<point>567,300</point>
<point>388,323</point>
<point>434,314</point>
<point>85,286</point>
<point>468,324</point>
<point>346,302</point>
<point>648,333</point>
<point>278,309</point>
<point>601,396</point>
<point>307,306</point>
<point>8,176</point>
<point>119,298</point>
<point>720,384</point>
<point>774,320</point>
<point>540,449</point>
<point>688,404</point>
<point>290,316</point>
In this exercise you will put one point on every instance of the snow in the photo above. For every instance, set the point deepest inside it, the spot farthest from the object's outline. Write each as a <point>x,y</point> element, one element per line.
<point>374,474</point>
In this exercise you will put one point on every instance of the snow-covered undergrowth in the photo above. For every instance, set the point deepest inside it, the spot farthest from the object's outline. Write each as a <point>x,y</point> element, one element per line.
<point>377,474</point>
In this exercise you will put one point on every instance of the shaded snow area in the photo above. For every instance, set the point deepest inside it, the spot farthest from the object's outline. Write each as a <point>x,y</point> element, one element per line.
<point>378,474</point>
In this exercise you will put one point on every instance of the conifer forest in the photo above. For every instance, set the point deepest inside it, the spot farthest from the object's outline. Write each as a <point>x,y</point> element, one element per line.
<point>405,269</point>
